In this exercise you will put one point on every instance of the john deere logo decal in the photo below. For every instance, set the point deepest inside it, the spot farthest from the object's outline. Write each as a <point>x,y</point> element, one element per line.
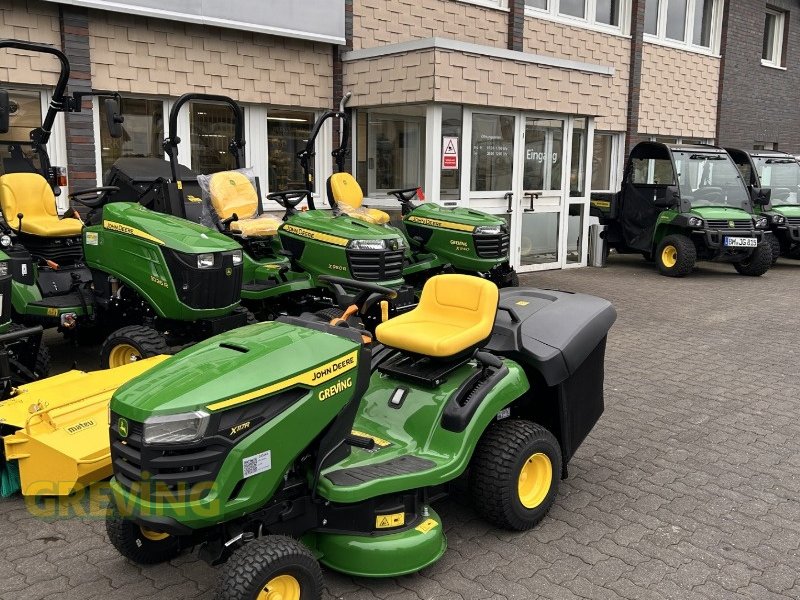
<point>731,224</point>
<point>122,427</point>
<point>228,271</point>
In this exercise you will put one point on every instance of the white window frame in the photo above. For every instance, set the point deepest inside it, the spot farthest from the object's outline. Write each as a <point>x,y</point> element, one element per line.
<point>687,43</point>
<point>496,4</point>
<point>590,22</point>
<point>777,42</point>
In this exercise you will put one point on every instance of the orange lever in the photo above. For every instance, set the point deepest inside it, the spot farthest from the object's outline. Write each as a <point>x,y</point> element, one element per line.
<point>52,265</point>
<point>349,312</point>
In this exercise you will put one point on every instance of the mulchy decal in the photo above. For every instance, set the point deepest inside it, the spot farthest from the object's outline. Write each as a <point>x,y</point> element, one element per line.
<point>311,378</point>
<point>442,224</point>
<point>114,226</point>
<point>315,235</point>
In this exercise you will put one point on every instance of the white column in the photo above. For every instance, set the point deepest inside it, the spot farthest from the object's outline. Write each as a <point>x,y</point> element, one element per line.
<point>433,152</point>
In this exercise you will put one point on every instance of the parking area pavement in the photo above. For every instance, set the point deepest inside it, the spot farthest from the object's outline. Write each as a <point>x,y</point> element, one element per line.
<point>687,488</point>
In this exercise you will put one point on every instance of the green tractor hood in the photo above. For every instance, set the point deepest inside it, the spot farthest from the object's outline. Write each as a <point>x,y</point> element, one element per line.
<point>165,230</point>
<point>461,219</point>
<point>721,212</point>
<point>337,230</point>
<point>237,367</point>
<point>787,210</point>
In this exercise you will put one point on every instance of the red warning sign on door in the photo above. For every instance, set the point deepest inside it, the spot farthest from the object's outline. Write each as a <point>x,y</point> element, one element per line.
<point>449,153</point>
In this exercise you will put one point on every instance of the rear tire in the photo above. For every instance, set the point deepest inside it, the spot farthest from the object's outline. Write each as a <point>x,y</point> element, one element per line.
<point>131,344</point>
<point>139,545</point>
<point>775,245</point>
<point>676,256</point>
<point>515,474</point>
<point>513,279</point>
<point>757,263</point>
<point>273,563</point>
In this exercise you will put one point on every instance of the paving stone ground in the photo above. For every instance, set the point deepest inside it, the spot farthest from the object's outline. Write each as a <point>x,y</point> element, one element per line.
<point>687,488</point>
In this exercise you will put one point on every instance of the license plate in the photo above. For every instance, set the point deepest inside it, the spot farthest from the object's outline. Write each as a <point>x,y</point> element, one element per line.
<point>741,242</point>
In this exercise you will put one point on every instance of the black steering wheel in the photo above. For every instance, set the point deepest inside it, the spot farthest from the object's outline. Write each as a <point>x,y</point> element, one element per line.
<point>710,194</point>
<point>289,199</point>
<point>406,195</point>
<point>94,197</point>
<point>368,293</point>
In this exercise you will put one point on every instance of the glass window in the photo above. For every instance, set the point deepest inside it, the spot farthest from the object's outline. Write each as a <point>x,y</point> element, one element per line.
<point>607,12</point>
<point>142,131</point>
<point>772,49</point>
<point>574,232</point>
<point>651,16</point>
<point>710,180</point>
<point>703,17</point>
<point>451,176</point>
<point>537,4</point>
<point>544,149</point>
<point>573,8</point>
<point>212,129</point>
<point>676,20</point>
<point>25,108</point>
<point>287,134</point>
<point>539,235</point>
<point>492,153</point>
<point>602,161</point>
<point>391,149</point>
<point>577,171</point>
<point>652,171</point>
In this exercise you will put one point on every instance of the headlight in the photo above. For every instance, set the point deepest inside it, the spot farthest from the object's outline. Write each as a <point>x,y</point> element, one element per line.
<point>401,243</point>
<point>3,268</point>
<point>779,219</point>
<point>695,222</point>
<point>367,244</point>
<point>489,230</point>
<point>5,241</point>
<point>237,257</point>
<point>205,261</point>
<point>761,223</point>
<point>176,429</point>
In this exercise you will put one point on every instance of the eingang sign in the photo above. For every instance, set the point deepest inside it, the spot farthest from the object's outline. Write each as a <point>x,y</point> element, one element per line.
<point>317,20</point>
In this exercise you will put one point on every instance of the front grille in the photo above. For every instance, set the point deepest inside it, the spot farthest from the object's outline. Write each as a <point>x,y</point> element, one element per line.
<point>159,472</point>
<point>738,224</point>
<point>492,246</point>
<point>793,220</point>
<point>375,265</point>
<point>217,287</point>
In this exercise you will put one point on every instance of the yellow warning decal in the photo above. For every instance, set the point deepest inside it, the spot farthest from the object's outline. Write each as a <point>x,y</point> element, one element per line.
<point>601,203</point>
<point>442,224</point>
<point>52,312</point>
<point>426,525</point>
<point>378,441</point>
<point>522,303</point>
<point>114,226</point>
<point>179,184</point>
<point>311,378</point>
<point>315,235</point>
<point>194,199</point>
<point>387,521</point>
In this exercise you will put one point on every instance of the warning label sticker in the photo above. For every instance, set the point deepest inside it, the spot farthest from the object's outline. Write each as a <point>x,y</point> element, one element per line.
<point>387,521</point>
<point>449,153</point>
<point>426,525</point>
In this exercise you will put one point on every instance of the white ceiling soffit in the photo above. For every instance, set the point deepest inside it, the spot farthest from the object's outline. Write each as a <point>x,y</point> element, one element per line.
<point>316,20</point>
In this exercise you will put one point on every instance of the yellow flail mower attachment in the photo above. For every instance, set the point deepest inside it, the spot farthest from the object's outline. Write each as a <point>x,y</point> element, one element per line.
<point>55,431</point>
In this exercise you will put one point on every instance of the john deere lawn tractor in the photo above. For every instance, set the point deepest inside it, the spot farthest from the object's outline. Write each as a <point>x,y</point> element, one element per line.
<point>778,174</point>
<point>682,203</point>
<point>148,281</point>
<point>336,452</point>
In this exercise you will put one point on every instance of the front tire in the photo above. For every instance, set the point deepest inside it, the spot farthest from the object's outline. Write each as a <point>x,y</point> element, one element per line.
<point>138,544</point>
<point>676,256</point>
<point>273,566</point>
<point>775,246</point>
<point>757,263</point>
<point>515,473</point>
<point>131,344</point>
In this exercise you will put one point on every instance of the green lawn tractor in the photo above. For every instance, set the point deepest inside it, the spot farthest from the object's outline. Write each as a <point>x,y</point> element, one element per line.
<point>684,203</point>
<point>438,239</point>
<point>298,441</point>
<point>778,173</point>
<point>149,282</point>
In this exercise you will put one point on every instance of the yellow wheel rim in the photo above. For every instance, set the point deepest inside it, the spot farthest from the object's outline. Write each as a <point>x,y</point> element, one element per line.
<point>535,480</point>
<point>153,536</point>
<point>282,587</point>
<point>669,256</point>
<point>123,354</point>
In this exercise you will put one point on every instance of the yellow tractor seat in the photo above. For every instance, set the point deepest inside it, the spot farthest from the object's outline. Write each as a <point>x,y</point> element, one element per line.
<point>232,193</point>
<point>455,313</point>
<point>345,193</point>
<point>31,195</point>
<point>260,226</point>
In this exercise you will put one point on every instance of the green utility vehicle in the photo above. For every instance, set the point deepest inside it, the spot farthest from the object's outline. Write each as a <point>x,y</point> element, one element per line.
<point>336,451</point>
<point>147,281</point>
<point>684,203</point>
<point>778,173</point>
